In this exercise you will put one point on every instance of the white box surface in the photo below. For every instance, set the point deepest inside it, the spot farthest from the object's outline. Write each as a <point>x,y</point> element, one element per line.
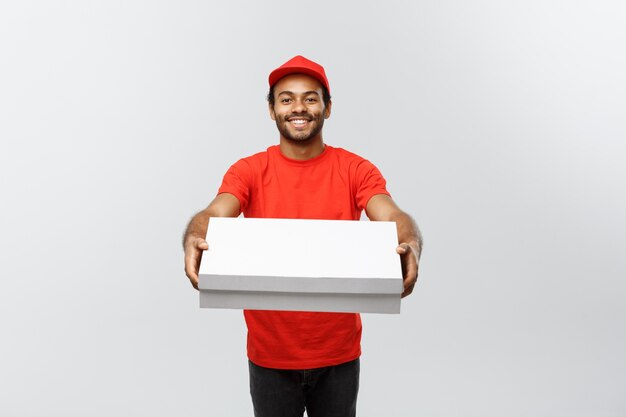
<point>301,265</point>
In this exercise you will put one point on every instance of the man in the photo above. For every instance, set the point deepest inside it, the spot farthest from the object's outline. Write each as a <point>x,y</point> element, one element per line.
<point>301,360</point>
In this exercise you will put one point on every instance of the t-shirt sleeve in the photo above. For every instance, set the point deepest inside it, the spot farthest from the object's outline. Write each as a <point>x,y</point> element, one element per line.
<point>237,181</point>
<point>369,182</point>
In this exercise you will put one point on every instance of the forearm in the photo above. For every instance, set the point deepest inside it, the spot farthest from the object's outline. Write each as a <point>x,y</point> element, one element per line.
<point>224,205</point>
<point>382,208</point>
<point>197,226</point>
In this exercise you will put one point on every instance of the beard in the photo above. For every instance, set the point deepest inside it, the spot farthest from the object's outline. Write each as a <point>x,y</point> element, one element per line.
<point>304,136</point>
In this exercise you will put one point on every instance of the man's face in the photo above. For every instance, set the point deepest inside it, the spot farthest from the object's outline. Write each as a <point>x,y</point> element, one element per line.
<point>298,109</point>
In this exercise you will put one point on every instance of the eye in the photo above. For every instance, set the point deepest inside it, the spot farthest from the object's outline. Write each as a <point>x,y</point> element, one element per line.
<point>285,100</point>
<point>311,100</point>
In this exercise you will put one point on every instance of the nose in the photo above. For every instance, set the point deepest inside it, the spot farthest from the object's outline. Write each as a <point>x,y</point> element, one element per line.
<point>298,106</point>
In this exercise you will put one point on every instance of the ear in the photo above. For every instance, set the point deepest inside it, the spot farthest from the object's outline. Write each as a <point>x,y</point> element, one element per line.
<point>271,109</point>
<point>327,109</point>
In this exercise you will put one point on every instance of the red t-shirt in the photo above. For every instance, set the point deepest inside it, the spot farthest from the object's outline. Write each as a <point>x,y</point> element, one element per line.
<point>336,185</point>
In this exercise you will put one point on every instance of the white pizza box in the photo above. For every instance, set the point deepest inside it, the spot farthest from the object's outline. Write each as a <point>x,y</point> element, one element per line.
<point>301,265</point>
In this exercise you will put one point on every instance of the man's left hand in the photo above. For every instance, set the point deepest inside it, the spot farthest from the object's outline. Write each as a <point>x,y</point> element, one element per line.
<point>410,266</point>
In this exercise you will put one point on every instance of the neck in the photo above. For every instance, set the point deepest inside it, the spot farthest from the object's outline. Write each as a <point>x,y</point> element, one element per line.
<point>301,150</point>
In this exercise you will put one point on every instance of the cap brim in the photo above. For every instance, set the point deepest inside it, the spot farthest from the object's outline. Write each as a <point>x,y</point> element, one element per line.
<point>279,73</point>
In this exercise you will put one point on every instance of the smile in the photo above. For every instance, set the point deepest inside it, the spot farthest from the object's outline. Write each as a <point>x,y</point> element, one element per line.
<point>298,122</point>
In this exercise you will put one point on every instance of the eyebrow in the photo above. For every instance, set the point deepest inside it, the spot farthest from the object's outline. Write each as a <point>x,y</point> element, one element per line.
<point>306,93</point>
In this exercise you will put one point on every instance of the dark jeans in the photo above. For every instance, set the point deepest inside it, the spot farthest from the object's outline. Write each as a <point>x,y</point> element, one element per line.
<point>324,392</point>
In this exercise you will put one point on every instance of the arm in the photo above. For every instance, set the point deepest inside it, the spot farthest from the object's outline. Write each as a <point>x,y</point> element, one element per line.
<point>382,208</point>
<point>224,205</point>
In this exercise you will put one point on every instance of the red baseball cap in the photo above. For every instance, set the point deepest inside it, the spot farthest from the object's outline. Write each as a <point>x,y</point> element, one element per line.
<point>300,65</point>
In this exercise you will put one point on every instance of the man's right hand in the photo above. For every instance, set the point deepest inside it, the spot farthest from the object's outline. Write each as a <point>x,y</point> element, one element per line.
<point>193,254</point>
<point>224,205</point>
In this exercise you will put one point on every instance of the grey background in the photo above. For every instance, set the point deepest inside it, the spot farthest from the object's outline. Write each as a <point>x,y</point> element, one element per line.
<point>499,126</point>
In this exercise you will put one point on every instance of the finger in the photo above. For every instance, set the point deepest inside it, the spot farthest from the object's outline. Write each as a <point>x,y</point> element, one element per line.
<point>194,283</point>
<point>411,277</point>
<point>192,273</point>
<point>403,248</point>
<point>193,254</point>
<point>408,260</point>
<point>201,244</point>
<point>408,291</point>
<point>192,261</point>
<point>409,267</point>
<point>191,270</point>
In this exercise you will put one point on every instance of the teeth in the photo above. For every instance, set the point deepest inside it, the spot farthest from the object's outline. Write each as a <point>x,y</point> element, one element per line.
<point>298,121</point>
